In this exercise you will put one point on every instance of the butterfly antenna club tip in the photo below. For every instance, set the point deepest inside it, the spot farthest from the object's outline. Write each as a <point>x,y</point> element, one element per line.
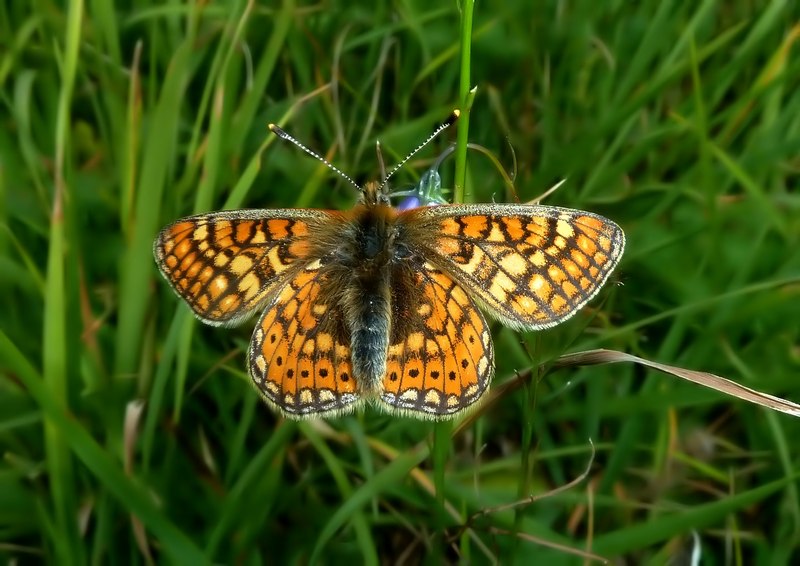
<point>442,127</point>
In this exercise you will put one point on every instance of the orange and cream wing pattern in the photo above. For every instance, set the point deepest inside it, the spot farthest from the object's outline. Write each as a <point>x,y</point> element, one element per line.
<point>224,264</point>
<point>440,359</point>
<point>530,266</point>
<point>299,356</point>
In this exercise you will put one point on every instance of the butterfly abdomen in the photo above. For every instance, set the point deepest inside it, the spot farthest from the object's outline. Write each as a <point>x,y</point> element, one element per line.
<point>367,301</point>
<point>369,325</point>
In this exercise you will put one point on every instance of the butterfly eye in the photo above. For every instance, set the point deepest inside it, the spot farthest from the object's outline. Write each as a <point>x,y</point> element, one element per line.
<point>402,251</point>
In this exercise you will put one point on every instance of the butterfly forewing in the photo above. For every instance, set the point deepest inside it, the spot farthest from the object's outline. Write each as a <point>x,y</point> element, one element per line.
<point>225,263</point>
<point>440,359</point>
<point>530,266</point>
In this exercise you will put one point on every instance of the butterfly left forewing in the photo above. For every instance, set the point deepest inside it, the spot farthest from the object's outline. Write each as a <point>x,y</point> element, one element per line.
<point>530,266</point>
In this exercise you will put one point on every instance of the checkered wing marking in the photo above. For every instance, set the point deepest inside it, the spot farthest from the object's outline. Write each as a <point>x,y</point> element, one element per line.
<point>224,264</point>
<point>530,266</point>
<point>440,357</point>
<point>300,352</point>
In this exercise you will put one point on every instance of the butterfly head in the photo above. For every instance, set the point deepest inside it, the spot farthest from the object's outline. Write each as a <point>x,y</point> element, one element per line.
<point>373,194</point>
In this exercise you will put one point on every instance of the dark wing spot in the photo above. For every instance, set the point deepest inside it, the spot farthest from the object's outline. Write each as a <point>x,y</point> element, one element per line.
<point>393,376</point>
<point>323,372</point>
<point>290,373</point>
<point>464,363</point>
<point>452,376</point>
<point>279,361</point>
<point>344,376</point>
<point>435,374</point>
<point>304,373</point>
<point>413,372</point>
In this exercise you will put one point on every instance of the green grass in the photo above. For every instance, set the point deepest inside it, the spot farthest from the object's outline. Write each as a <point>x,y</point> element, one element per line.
<point>130,432</point>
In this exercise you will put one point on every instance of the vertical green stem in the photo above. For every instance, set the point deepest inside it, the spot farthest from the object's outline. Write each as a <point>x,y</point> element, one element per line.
<point>466,95</point>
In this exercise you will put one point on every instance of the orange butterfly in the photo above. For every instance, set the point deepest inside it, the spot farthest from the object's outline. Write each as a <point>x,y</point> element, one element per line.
<point>380,305</point>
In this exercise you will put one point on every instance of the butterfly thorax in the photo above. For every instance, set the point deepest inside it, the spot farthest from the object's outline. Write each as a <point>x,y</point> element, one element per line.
<point>366,251</point>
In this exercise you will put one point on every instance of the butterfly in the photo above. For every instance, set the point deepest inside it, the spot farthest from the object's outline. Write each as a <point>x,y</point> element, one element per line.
<point>383,305</point>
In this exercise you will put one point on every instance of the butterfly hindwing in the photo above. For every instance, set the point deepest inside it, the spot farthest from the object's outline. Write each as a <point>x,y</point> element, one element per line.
<point>440,359</point>
<point>300,355</point>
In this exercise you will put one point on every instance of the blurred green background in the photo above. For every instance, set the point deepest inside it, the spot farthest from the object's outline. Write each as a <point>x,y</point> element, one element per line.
<point>131,434</point>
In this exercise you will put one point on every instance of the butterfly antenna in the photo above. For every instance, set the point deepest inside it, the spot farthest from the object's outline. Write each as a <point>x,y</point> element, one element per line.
<point>284,136</point>
<point>442,127</point>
